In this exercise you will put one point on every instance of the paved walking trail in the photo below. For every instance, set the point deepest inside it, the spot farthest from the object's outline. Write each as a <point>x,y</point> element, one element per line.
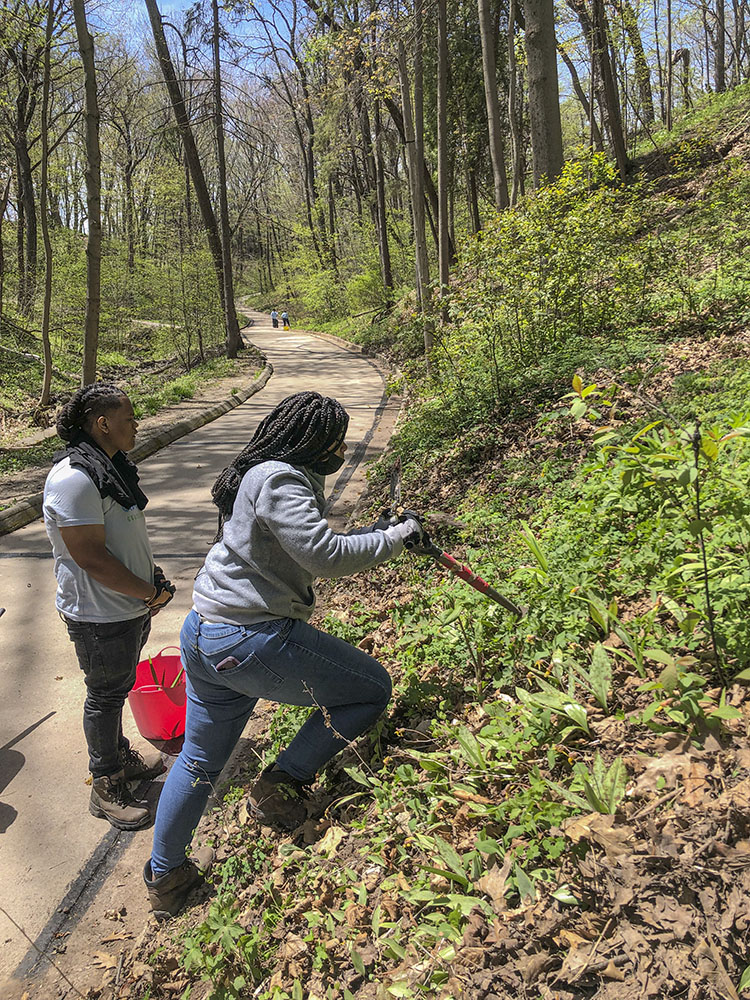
<point>54,856</point>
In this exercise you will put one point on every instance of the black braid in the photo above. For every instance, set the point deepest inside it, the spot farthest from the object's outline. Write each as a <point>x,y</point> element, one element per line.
<point>300,430</point>
<point>83,408</point>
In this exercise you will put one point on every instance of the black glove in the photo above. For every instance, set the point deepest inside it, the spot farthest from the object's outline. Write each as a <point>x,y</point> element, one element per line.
<point>164,591</point>
<point>385,520</point>
<point>418,541</point>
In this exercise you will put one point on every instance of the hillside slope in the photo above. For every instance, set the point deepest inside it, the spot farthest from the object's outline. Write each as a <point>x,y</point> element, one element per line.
<point>555,807</point>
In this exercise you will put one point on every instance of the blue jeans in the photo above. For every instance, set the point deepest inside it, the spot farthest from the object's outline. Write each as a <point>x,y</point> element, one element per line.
<point>108,654</point>
<point>228,668</point>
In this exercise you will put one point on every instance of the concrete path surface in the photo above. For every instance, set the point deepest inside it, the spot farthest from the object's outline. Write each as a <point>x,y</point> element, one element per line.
<point>52,850</point>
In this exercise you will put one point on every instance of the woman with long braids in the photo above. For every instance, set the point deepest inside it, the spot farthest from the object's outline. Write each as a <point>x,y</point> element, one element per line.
<point>248,636</point>
<point>107,585</point>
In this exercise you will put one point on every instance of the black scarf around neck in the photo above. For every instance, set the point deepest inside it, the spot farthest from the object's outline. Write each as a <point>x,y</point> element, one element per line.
<point>114,477</point>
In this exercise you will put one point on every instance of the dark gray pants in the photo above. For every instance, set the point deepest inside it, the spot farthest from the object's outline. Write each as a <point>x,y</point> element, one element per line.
<point>108,653</point>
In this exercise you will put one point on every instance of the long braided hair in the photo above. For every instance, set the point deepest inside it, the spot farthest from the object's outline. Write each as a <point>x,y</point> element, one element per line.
<point>85,406</point>
<point>300,430</point>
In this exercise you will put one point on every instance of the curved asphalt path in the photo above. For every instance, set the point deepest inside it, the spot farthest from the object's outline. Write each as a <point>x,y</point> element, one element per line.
<point>51,848</point>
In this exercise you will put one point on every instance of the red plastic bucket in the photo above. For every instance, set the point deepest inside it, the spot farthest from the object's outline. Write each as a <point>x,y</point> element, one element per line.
<point>158,697</point>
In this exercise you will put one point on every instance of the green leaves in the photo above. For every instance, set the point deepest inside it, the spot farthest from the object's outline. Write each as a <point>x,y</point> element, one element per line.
<point>556,701</point>
<point>603,788</point>
<point>600,675</point>
<point>534,547</point>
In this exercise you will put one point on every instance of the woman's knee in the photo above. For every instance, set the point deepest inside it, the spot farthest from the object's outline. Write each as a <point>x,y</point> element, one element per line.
<point>382,684</point>
<point>202,773</point>
<point>105,702</point>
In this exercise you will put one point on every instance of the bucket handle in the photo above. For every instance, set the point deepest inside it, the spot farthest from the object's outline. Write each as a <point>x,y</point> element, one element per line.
<point>160,683</point>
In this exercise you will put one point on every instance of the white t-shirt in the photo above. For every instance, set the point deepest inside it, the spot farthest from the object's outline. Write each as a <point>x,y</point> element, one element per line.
<point>71,498</point>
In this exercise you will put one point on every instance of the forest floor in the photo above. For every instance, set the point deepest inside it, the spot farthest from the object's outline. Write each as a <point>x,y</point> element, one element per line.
<point>555,808</point>
<point>649,899</point>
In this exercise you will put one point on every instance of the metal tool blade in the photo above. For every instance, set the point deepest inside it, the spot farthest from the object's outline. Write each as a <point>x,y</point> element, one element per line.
<point>394,491</point>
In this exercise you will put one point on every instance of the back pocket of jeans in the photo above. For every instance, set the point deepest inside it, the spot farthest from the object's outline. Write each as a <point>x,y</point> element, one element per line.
<point>215,639</point>
<point>251,677</point>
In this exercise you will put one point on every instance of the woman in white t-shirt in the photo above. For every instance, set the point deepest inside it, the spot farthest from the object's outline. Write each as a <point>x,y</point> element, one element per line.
<point>107,585</point>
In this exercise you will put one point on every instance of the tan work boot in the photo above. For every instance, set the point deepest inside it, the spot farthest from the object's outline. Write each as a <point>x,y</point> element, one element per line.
<point>278,799</point>
<point>111,799</point>
<point>140,766</point>
<point>167,893</point>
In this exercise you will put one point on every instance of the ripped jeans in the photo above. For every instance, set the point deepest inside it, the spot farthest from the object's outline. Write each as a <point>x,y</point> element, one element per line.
<point>228,668</point>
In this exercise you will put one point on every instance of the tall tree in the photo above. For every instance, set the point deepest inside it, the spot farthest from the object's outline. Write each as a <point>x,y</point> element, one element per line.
<point>421,171</point>
<point>586,104</point>
<point>442,154</point>
<point>382,222</point>
<point>489,71</point>
<point>234,340</point>
<point>609,85</point>
<point>544,94</point>
<point>93,195</point>
<point>668,68</point>
<point>44,212</point>
<point>720,47</point>
<point>416,178</point>
<point>515,131</point>
<point>629,20</point>
<point>23,53</point>
<point>3,206</point>
<point>185,130</point>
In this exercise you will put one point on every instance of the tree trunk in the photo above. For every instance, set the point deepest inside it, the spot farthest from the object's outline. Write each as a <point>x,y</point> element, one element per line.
<point>421,174</point>
<point>442,155</point>
<point>20,241</point>
<point>43,215</point>
<point>740,41</point>
<point>642,70</point>
<point>683,56</point>
<point>489,71</point>
<point>417,197</point>
<point>233,338</point>
<point>472,199</point>
<point>27,277</point>
<point>596,136</point>
<point>3,206</point>
<point>129,206</point>
<point>385,253</point>
<point>544,95</point>
<point>668,66</point>
<point>609,87</point>
<point>188,143</point>
<point>720,48</point>
<point>411,160</point>
<point>515,137</point>
<point>93,196</point>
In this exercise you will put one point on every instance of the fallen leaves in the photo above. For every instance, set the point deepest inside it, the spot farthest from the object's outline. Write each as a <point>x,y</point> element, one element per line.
<point>103,960</point>
<point>601,830</point>
<point>494,883</point>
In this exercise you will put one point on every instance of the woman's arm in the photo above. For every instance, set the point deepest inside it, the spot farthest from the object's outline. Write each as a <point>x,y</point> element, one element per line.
<point>86,544</point>
<point>286,506</point>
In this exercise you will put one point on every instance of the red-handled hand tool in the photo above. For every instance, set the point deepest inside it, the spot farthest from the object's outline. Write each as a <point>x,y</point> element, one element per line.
<point>428,548</point>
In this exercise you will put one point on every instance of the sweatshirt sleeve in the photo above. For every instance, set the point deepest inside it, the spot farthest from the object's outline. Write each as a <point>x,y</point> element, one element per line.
<point>286,507</point>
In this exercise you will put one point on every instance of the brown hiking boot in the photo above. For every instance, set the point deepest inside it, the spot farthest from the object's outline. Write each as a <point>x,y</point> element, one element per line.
<point>167,893</point>
<point>278,799</point>
<point>140,766</point>
<point>111,799</point>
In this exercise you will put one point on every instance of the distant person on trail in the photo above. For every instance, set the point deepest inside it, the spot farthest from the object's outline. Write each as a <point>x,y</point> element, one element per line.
<point>285,320</point>
<point>107,584</point>
<point>248,636</point>
<point>275,319</point>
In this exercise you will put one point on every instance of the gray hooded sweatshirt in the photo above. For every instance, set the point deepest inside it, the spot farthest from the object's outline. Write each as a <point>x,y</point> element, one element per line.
<point>274,546</point>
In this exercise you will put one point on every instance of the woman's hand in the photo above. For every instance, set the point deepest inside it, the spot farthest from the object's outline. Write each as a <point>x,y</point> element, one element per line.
<point>164,591</point>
